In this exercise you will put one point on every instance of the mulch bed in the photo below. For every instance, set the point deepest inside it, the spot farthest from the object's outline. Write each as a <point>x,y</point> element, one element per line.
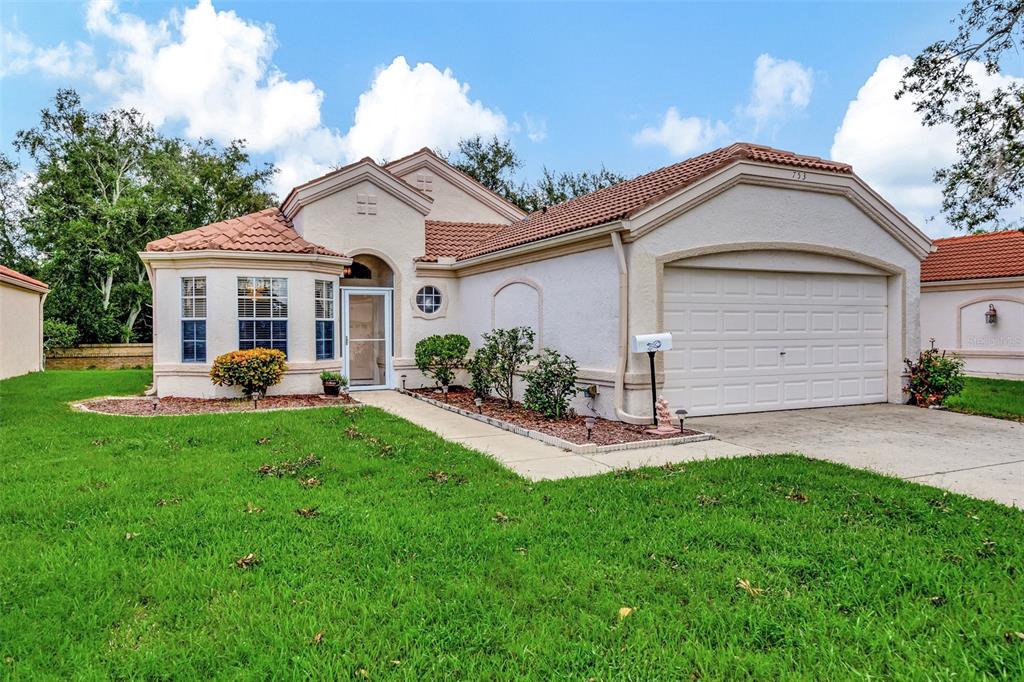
<point>572,429</point>
<point>143,407</point>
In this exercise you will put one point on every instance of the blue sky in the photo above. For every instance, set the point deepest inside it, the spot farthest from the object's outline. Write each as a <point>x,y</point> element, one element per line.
<point>633,86</point>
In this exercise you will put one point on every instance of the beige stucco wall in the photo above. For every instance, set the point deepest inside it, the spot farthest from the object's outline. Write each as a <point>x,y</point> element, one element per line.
<point>452,203</point>
<point>749,216</point>
<point>172,377</point>
<point>955,318</point>
<point>21,335</point>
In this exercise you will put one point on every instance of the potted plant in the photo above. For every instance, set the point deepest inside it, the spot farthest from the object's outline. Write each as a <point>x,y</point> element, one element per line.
<point>332,381</point>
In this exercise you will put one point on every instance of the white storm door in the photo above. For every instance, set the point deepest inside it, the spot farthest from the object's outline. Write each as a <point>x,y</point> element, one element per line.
<point>367,337</point>
<point>751,341</point>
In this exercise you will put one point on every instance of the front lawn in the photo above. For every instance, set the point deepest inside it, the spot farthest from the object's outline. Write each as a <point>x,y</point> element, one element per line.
<point>991,397</point>
<point>119,538</point>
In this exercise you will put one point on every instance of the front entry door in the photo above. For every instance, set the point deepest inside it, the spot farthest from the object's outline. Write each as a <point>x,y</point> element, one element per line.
<point>367,338</point>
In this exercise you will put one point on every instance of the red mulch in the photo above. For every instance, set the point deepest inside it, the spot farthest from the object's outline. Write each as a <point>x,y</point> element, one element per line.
<point>572,429</point>
<point>143,407</point>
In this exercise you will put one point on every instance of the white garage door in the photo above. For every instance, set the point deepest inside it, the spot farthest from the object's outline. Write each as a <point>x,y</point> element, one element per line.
<point>750,341</point>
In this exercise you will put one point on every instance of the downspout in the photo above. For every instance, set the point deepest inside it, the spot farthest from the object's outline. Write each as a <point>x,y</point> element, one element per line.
<point>620,372</point>
<point>42,332</point>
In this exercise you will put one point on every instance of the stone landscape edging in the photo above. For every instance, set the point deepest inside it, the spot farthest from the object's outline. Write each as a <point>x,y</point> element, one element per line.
<point>584,449</point>
<point>80,406</point>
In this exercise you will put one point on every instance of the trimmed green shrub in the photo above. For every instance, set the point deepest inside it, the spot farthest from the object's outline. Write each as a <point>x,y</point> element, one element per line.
<point>935,376</point>
<point>508,350</point>
<point>551,384</point>
<point>328,375</point>
<point>253,370</point>
<point>440,355</point>
<point>481,373</point>
<point>57,334</point>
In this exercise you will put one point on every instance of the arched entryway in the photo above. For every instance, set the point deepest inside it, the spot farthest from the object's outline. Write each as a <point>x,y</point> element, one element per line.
<point>367,292</point>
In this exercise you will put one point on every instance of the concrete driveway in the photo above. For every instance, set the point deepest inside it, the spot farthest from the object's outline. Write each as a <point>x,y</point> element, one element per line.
<point>977,456</point>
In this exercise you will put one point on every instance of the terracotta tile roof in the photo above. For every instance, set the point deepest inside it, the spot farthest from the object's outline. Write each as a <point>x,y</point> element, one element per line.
<point>627,198</point>
<point>265,231</point>
<point>444,238</point>
<point>14,274</point>
<point>976,256</point>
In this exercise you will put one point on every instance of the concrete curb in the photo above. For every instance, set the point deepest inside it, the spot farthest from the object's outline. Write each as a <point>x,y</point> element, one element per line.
<point>586,449</point>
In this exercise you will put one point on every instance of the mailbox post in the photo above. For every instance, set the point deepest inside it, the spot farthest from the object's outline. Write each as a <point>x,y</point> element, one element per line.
<point>651,344</point>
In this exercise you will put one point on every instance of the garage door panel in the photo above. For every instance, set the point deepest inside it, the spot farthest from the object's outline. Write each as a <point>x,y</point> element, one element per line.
<point>748,341</point>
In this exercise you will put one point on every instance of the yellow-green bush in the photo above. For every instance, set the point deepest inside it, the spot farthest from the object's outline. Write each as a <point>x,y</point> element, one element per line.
<point>253,370</point>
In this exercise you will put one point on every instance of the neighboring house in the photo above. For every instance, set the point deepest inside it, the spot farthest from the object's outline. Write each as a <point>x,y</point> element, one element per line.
<point>963,283</point>
<point>21,323</point>
<point>785,280</point>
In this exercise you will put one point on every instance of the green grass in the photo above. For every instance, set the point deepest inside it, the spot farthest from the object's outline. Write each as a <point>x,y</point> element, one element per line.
<point>991,397</point>
<point>864,577</point>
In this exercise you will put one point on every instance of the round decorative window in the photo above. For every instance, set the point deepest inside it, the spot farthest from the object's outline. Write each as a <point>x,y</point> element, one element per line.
<point>428,299</point>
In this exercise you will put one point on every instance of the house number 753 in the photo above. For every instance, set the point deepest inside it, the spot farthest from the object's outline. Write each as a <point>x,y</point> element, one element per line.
<point>799,175</point>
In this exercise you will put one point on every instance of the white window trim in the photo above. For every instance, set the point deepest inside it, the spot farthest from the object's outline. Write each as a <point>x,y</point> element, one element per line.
<point>440,312</point>
<point>333,319</point>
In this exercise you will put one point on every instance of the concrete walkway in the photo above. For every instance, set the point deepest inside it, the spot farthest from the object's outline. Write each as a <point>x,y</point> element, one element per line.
<point>532,459</point>
<point>977,456</point>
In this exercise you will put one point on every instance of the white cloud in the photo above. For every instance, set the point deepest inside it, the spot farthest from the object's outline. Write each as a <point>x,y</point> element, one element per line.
<point>411,107</point>
<point>892,150</point>
<point>536,128</point>
<point>19,55</point>
<point>682,135</point>
<point>781,87</point>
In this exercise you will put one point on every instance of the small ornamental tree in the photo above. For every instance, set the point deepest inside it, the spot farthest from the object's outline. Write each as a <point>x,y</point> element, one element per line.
<point>508,349</point>
<point>550,385</point>
<point>253,370</point>
<point>440,355</point>
<point>935,376</point>
<point>57,334</point>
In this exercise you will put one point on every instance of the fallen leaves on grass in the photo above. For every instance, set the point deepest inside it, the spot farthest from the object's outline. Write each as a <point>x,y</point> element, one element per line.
<point>795,495</point>
<point>438,476</point>
<point>750,589</point>
<point>310,482</point>
<point>625,612</point>
<point>130,536</point>
<point>987,549</point>
<point>362,673</point>
<point>287,468</point>
<point>247,561</point>
<point>100,441</point>
<point>164,501</point>
<point>707,500</point>
<point>1014,637</point>
<point>937,600</point>
<point>307,512</point>
<point>500,517</point>
<point>263,441</point>
<point>250,508</point>
<point>318,637</point>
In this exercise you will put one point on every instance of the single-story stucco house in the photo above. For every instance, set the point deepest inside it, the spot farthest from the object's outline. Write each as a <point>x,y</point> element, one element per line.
<point>21,323</point>
<point>972,301</point>
<point>785,280</point>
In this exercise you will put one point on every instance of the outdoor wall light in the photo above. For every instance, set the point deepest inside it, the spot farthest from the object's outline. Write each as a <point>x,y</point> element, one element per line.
<point>682,416</point>
<point>403,382</point>
<point>589,422</point>
<point>991,316</point>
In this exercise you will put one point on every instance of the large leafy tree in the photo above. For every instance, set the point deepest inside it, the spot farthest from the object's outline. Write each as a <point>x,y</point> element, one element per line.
<point>107,183</point>
<point>988,176</point>
<point>15,251</point>
<point>494,163</point>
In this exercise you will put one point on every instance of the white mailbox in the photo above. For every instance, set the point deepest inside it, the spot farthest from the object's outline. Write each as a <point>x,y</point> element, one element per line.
<point>652,343</point>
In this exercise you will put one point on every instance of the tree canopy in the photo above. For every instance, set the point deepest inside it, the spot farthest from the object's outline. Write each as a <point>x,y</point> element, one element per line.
<point>104,185</point>
<point>987,177</point>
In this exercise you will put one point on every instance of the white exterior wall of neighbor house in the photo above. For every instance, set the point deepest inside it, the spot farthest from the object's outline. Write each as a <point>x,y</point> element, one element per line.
<point>749,216</point>
<point>570,301</point>
<point>954,315</point>
<point>172,377</point>
<point>21,333</point>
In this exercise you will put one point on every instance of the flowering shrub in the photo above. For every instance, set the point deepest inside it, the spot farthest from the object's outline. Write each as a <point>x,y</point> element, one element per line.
<point>253,370</point>
<point>440,355</point>
<point>935,376</point>
<point>550,384</point>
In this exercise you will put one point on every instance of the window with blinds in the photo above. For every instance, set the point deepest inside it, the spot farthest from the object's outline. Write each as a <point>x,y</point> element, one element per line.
<point>193,319</point>
<point>323,311</point>
<point>263,313</point>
